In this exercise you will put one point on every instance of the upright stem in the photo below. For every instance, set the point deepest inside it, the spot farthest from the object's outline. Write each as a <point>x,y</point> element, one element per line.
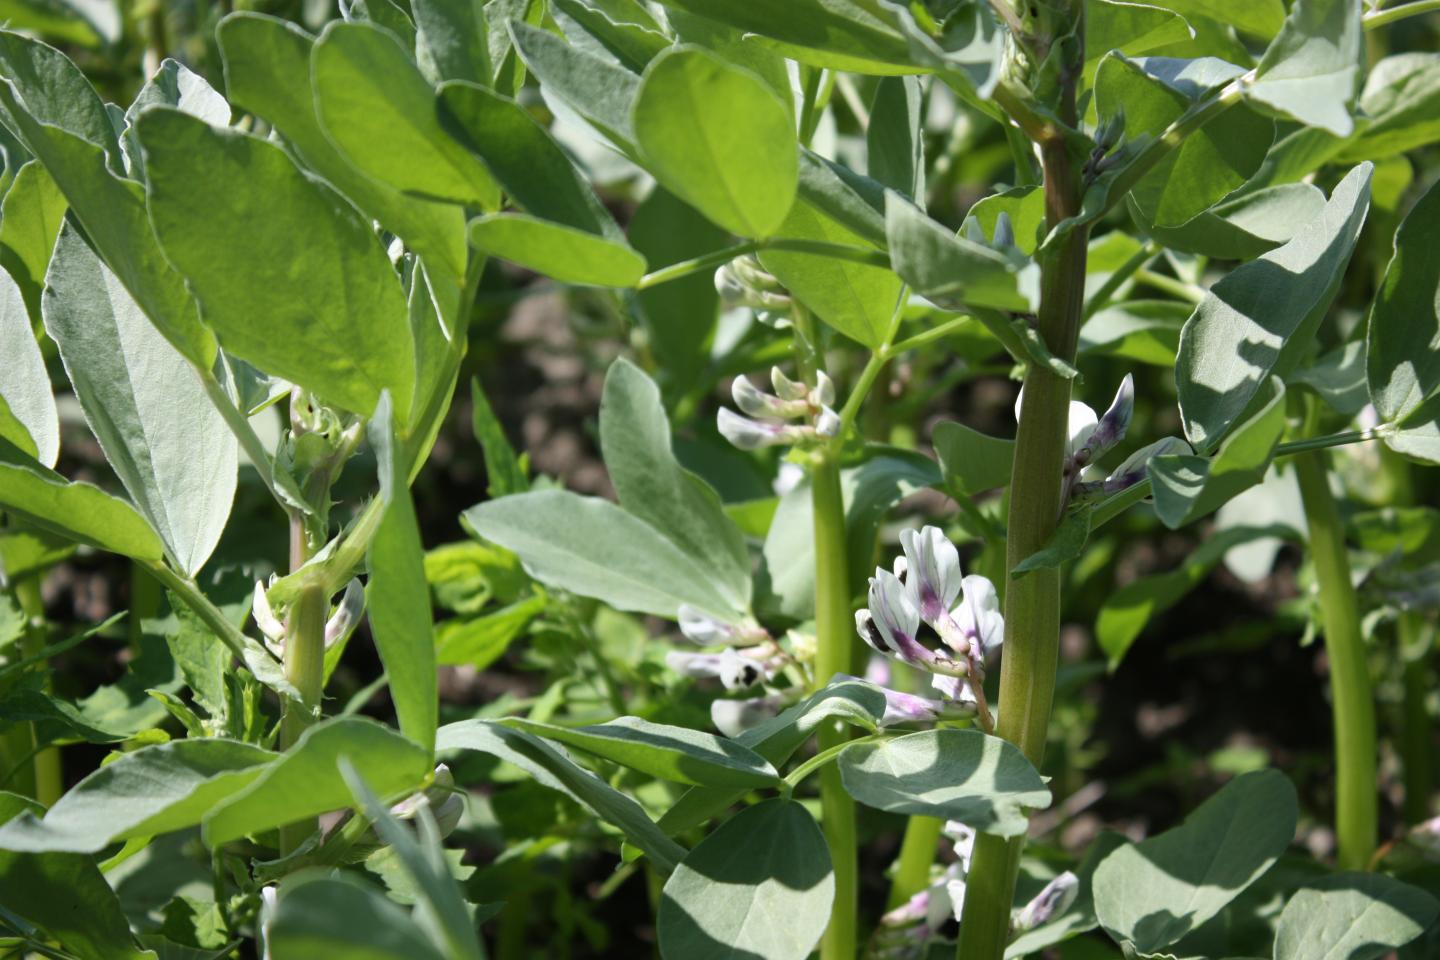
<point>834,629</point>
<point>1356,783</point>
<point>917,854</point>
<point>49,783</point>
<point>1032,604</point>
<point>304,667</point>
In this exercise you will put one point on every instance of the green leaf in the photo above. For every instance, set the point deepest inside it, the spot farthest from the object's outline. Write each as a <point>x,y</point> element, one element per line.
<point>651,484</point>
<point>1130,29</point>
<point>677,754</point>
<point>1260,317</point>
<point>1352,916</point>
<point>1187,488</point>
<point>481,641</point>
<point>964,775</point>
<point>305,781</point>
<point>530,166</point>
<point>940,265</point>
<point>54,110</point>
<point>1064,545</point>
<point>290,278</point>
<point>1146,331</point>
<point>971,461</point>
<point>24,382</point>
<point>1152,893</point>
<point>594,548</point>
<point>600,91</point>
<point>143,793</point>
<point>895,138</point>
<point>262,54</point>
<point>504,472</point>
<point>760,886</point>
<point>855,202</point>
<point>1310,70</point>
<point>718,137</point>
<point>172,85</point>
<point>30,219</point>
<point>857,299</point>
<point>66,896</point>
<point>1401,372</point>
<point>1259,18</point>
<point>1025,206</point>
<point>379,111</point>
<point>1211,162</point>
<point>170,447</point>
<point>834,34</point>
<point>1246,226</point>
<point>339,914</point>
<point>552,768</point>
<point>868,490</point>
<point>1418,435</point>
<point>561,252</point>
<point>623,27</point>
<point>1399,107</point>
<point>452,40</point>
<point>397,595</point>
<point>1128,610</point>
<point>76,511</point>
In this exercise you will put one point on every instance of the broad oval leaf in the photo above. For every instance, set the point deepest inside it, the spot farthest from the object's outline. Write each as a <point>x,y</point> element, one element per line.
<point>338,914</point>
<point>560,252</point>
<point>1152,893</point>
<point>1352,916</point>
<point>380,112</point>
<point>760,886</point>
<point>596,549</point>
<point>1310,69</point>
<point>147,792</point>
<point>982,781</point>
<point>24,383</point>
<point>718,137</point>
<point>305,781</point>
<point>288,275</point>
<point>170,447</point>
<point>1402,364</point>
<point>971,461</point>
<point>677,754</point>
<point>944,267</point>
<point>1260,317</point>
<point>599,90</point>
<point>30,218</point>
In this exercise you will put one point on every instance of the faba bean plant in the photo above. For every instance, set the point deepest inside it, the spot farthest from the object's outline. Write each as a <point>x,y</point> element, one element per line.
<point>807,253</point>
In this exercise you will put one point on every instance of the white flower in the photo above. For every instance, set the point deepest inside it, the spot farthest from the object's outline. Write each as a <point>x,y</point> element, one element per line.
<point>1050,902</point>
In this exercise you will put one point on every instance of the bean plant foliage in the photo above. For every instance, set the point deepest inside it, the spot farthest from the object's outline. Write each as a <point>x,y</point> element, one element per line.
<point>256,287</point>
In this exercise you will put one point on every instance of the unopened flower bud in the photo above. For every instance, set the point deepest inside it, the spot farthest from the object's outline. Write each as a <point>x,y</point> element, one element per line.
<point>824,393</point>
<point>785,388</point>
<point>1050,902</point>
<point>748,434</point>
<point>1111,129</point>
<point>757,403</point>
<point>346,617</point>
<point>827,423</point>
<point>265,618</point>
<point>445,803</point>
<point>1111,428</point>
<point>1004,232</point>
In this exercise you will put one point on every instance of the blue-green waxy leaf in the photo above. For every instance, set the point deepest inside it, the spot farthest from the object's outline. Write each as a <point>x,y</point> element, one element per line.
<point>940,265</point>
<point>1212,162</point>
<point>1259,319</point>
<point>380,112</point>
<point>1064,545</point>
<point>24,383</point>
<point>1152,893</point>
<point>1311,69</point>
<point>1260,18</point>
<point>677,754</point>
<point>172,85</point>
<point>452,40</point>
<point>558,251</point>
<point>592,547</point>
<point>624,28</point>
<point>852,200</point>
<point>971,461</point>
<point>1146,331</point>
<point>1187,488</point>
<point>30,219</point>
<point>1399,107</point>
<point>1402,363</point>
<point>288,275</point>
<point>718,137</point>
<point>262,55</point>
<point>397,595</point>
<point>600,91</point>
<point>65,896</point>
<point>552,768</point>
<point>342,915</point>
<point>651,484</point>
<point>168,444</point>
<point>857,299</point>
<point>305,781</point>
<point>532,169</point>
<point>1352,916</point>
<point>75,511</point>
<point>150,791</point>
<point>61,121</point>
<point>1130,28</point>
<point>760,886</point>
<point>980,780</point>
<point>1246,226</point>
<point>895,137</point>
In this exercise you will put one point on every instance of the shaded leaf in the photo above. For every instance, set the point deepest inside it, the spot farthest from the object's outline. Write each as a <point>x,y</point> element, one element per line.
<point>1405,316</point>
<point>970,461</point>
<point>25,393</point>
<point>1352,916</point>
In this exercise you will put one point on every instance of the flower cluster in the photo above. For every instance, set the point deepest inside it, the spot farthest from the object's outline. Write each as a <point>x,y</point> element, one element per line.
<point>794,415</point>
<point>749,657</point>
<point>923,589</point>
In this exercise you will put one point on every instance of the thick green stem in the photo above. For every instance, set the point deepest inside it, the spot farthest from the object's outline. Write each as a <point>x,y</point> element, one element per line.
<point>1417,735</point>
<point>917,854</point>
<point>1356,785</point>
<point>304,667</point>
<point>834,653</point>
<point>48,781</point>
<point>1032,603</point>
